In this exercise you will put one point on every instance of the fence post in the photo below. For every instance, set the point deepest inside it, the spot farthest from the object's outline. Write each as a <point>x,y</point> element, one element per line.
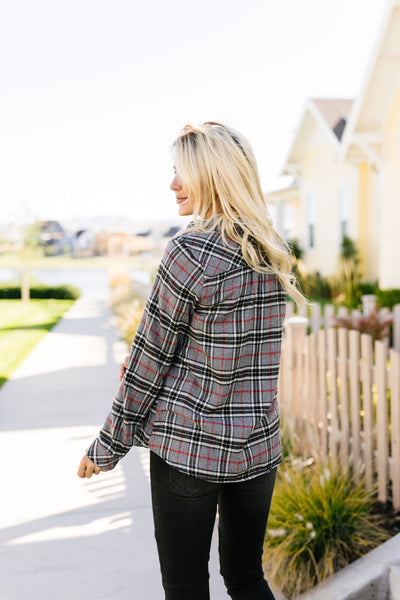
<point>322,394</point>
<point>333,439</point>
<point>355,403</point>
<point>343,369</point>
<point>382,421</point>
<point>315,317</point>
<point>289,310</point>
<point>343,311</point>
<point>314,394</point>
<point>356,315</point>
<point>329,316</point>
<point>396,327</point>
<point>302,311</point>
<point>368,407</point>
<point>368,304</point>
<point>296,331</point>
<point>395,422</point>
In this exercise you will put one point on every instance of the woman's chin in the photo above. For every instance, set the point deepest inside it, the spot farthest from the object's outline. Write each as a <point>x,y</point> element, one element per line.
<point>183,211</point>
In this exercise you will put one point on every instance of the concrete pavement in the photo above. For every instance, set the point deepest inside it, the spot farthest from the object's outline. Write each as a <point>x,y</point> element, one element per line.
<point>63,538</point>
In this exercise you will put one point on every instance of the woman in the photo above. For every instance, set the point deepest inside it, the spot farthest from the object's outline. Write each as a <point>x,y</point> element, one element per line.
<point>200,384</point>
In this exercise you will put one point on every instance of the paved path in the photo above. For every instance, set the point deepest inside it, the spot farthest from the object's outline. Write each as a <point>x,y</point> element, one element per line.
<point>63,538</point>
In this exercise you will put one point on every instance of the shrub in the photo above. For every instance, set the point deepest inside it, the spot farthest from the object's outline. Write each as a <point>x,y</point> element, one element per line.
<point>295,249</point>
<point>57,292</point>
<point>128,317</point>
<point>388,298</point>
<point>10,292</point>
<point>376,324</point>
<point>119,278</point>
<point>120,295</point>
<point>348,249</point>
<point>127,299</point>
<point>368,287</point>
<point>289,440</point>
<point>346,282</point>
<point>316,287</point>
<point>124,291</point>
<point>320,520</point>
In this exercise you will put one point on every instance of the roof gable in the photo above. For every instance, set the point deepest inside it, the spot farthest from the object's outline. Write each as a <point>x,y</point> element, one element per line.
<point>335,111</point>
<point>329,115</point>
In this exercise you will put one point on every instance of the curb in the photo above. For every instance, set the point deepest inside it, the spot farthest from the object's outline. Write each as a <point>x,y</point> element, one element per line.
<point>375,576</point>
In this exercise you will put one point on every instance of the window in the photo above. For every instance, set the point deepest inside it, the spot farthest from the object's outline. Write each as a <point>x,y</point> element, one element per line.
<point>311,220</point>
<point>344,210</point>
<point>288,221</point>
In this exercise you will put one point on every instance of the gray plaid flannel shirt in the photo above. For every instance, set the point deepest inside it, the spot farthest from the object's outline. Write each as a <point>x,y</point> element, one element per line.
<point>201,383</point>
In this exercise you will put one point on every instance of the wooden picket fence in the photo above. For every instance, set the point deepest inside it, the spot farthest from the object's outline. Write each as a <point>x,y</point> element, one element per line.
<point>339,393</point>
<point>325,317</point>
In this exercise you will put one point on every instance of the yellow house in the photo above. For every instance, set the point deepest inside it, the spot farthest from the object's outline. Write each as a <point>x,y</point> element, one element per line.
<point>371,142</point>
<point>345,160</point>
<point>317,209</point>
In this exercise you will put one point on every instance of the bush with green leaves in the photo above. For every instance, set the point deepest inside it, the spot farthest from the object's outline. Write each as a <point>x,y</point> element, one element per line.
<point>295,249</point>
<point>39,291</point>
<point>368,287</point>
<point>321,519</point>
<point>388,298</point>
<point>317,287</point>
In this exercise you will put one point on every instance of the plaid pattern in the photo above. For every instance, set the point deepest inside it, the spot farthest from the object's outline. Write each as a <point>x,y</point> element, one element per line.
<point>201,382</point>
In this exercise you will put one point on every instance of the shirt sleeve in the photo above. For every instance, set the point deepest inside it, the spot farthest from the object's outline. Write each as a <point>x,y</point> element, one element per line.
<point>175,292</point>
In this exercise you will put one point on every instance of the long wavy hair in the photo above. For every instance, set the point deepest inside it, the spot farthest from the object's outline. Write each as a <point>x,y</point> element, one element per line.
<point>217,165</point>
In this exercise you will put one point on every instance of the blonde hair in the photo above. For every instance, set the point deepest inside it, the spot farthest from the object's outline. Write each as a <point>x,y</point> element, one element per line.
<point>218,167</point>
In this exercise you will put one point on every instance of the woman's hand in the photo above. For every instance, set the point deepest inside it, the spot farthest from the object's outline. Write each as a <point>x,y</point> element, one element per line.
<point>123,368</point>
<point>87,468</point>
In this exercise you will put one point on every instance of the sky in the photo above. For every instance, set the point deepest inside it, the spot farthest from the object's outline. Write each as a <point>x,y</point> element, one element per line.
<point>94,92</point>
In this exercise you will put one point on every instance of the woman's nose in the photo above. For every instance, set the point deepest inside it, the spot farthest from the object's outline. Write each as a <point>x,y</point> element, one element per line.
<point>175,183</point>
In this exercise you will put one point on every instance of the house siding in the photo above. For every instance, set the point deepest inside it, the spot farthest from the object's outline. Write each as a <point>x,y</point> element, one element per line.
<point>390,210</point>
<point>368,230</point>
<point>321,178</point>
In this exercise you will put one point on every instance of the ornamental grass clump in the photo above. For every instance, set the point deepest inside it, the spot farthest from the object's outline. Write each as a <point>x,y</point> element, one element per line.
<point>320,521</point>
<point>128,317</point>
<point>127,299</point>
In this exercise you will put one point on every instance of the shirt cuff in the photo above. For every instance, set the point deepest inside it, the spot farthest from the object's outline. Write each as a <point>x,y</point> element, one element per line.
<point>102,456</point>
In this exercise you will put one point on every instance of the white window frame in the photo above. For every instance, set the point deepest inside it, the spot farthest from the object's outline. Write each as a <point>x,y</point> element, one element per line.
<point>344,210</point>
<point>311,221</point>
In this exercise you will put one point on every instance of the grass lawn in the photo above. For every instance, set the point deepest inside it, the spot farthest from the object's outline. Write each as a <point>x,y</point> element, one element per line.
<point>22,326</point>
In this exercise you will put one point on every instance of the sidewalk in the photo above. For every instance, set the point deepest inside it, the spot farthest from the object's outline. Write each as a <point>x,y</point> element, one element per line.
<point>63,538</point>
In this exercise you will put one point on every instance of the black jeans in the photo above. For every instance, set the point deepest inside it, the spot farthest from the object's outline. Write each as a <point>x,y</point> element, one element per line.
<point>184,510</point>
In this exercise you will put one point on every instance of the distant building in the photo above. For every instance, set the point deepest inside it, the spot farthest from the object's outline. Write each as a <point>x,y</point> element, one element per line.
<point>83,243</point>
<point>54,239</point>
<point>122,244</point>
<point>173,230</point>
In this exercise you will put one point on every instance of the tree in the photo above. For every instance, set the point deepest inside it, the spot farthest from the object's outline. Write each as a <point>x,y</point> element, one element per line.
<point>30,248</point>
